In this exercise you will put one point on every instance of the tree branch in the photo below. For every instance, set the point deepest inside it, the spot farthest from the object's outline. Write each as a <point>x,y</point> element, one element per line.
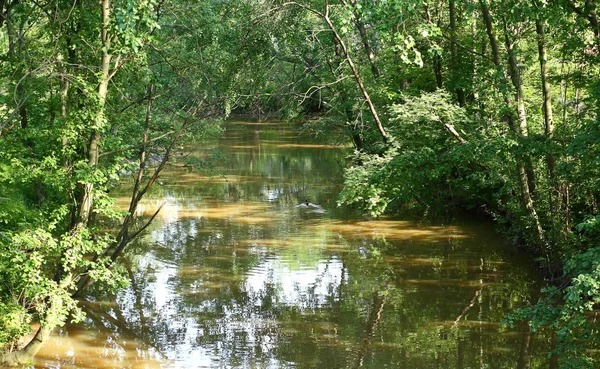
<point>134,146</point>
<point>481,55</point>
<point>466,309</point>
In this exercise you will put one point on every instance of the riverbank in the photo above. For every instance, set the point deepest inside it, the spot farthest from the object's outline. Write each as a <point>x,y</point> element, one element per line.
<point>232,273</point>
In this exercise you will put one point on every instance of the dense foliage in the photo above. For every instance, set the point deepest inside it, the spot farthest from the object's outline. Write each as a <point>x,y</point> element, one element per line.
<point>490,106</point>
<point>91,92</point>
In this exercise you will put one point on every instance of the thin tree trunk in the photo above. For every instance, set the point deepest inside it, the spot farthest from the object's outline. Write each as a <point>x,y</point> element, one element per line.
<point>515,77</point>
<point>364,38</point>
<point>87,189</point>
<point>437,60</point>
<point>480,102</point>
<point>489,28</point>
<point>554,196</point>
<point>525,352</point>
<point>526,199</point>
<point>367,45</point>
<point>355,73</point>
<point>83,211</point>
<point>124,238</point>
<point>64,94</point>
<point>548,115</point>
<point>564,87</point>
<point>460,94</point>
<point>437,71</point>
<point>15,40</point>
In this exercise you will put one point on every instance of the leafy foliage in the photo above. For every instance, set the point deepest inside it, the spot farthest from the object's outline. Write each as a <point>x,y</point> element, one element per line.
<point>490,106</point>
<point>448,105</point>
<point>94,91</point>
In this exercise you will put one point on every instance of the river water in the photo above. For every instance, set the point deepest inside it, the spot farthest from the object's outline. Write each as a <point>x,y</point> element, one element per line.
<point>234,274</point>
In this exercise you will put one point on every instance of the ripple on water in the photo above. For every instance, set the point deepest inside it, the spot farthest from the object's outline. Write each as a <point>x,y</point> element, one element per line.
<point>232,275</point>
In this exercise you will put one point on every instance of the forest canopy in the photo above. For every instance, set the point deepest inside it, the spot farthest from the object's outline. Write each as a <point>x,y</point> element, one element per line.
<point>486,106</point>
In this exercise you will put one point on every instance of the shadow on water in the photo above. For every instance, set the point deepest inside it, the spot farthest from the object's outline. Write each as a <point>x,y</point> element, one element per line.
<point>233,274</point>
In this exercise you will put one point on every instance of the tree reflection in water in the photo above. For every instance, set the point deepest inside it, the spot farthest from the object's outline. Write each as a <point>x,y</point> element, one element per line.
<point>235,276</point>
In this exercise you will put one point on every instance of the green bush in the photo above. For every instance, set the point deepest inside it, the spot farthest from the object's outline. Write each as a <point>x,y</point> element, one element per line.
<point>14,324</point>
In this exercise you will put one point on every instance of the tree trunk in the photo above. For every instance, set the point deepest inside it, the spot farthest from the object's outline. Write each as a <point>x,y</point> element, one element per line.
<point>460,94</point>
<point>546,92</point>
<point>564,87</point>
<point>364,38</point>
<point>356,75</point>
<point>437,60</point>
<point>25,356</point>
<point>481,106</point>
<point>489,28</point>
<point>15,41</point>
<point>124,238</point>
<point>515,77</point>
<point>87,189</point>
<point>437,71</point>
<point>64,95</point>
<point>367,45</point>
<point>526,199</point>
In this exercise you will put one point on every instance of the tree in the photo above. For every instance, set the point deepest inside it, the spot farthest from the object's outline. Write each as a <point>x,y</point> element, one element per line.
<point>91,109</point>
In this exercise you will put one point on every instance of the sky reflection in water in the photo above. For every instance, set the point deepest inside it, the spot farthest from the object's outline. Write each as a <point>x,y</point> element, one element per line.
<point>234,275</point>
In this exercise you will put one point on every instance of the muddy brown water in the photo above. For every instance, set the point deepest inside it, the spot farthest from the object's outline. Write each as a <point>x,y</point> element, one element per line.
<point>234,274</point>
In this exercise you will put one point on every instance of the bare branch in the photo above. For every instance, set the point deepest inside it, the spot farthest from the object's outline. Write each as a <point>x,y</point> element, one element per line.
<point>133,236</point>
<point>452,130</point>
<point>466,309</point>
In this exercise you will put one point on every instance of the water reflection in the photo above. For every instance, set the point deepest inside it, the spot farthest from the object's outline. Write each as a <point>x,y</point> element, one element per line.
<point>234,275</point>
<point>301,286</point>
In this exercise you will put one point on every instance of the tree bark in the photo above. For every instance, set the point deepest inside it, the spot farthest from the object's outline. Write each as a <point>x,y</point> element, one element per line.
<point>25,356</point>
<point>364,38</point>
<point>355,73</point>
<point>517,82</point>
<point>87,189</point>
<point>517,130</point>
<point>546,92</point>
<point>460,94</point>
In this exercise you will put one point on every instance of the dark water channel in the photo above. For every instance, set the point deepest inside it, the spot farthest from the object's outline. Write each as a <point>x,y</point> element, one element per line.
<point>234,275</point>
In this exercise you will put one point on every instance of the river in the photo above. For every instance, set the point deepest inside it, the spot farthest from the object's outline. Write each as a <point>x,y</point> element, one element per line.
<point>235,274</point>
